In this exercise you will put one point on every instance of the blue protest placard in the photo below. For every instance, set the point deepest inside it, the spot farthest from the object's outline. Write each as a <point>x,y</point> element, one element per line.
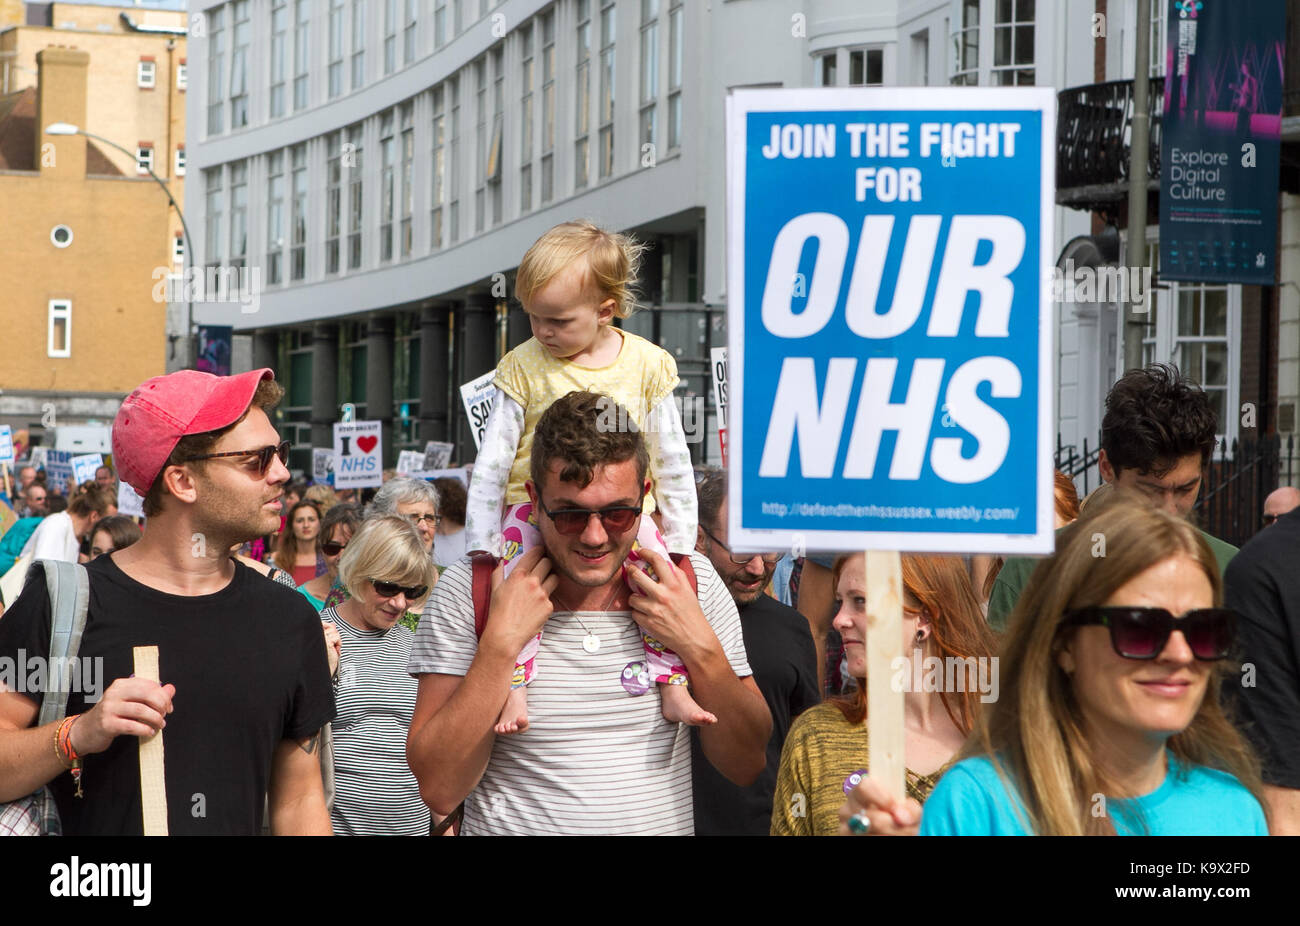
<point>889,319</point>
<point>58,468</point>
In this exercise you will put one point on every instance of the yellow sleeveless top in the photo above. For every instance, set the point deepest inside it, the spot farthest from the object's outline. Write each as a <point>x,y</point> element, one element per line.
<point>639,379</point>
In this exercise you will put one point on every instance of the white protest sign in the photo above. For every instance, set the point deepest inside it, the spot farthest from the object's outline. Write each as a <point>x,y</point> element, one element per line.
<point>128,502</point>
<point>460,473</point>
<point>718,369</point>
<point>358,451</point>
<point>322,463</point>
<point>84,466</point>
<point>437,454</point>
<point>410,462</point>
<point>6,444</point>
<point>477,394</point>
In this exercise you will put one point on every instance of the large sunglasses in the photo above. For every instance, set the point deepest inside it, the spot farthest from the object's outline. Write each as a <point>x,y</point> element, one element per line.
<point>615,520</point>
<point>1141,633</point>
<point>263,454</point>
<point>332,548</point>
<point>391,590</point>
<point>768,558</point>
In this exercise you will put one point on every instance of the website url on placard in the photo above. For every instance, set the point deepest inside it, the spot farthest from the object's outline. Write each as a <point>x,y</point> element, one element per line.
<point>889,512</point>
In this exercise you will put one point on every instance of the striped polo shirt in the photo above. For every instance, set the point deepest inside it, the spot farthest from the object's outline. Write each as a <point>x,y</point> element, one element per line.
<point>375,792</point>
<point>595,759</point>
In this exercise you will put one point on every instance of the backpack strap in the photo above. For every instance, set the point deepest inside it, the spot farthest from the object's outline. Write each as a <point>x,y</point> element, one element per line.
<point>68,585</point>
<point>483,565</point>
<point>683,562</point>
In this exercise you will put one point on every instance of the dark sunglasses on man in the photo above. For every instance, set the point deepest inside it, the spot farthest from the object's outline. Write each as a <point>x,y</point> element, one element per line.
<point>615,520</point>
<point>1142,633</point>
<point>332,548</point>
<point>264,455</point>
<point>768,558</point>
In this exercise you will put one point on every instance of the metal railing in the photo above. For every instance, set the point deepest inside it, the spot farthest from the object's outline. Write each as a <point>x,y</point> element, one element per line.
<point>1093,135</point>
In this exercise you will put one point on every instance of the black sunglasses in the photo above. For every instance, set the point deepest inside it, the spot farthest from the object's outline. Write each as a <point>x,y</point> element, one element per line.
<point>615,520</point>
<point>1141,633</point>
<point>263,454</point>
<point>768,558</point>
<point>332,548</point>
<point>391,589</point>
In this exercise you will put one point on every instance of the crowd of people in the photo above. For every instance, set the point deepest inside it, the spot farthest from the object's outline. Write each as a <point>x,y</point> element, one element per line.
<point>571,644</point>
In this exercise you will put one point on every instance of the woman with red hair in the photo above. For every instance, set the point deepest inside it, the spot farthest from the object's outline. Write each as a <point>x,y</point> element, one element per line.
<point>825,752</point>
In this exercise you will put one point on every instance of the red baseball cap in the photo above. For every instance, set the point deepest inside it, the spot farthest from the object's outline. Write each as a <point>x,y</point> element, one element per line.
<point>161,411</point>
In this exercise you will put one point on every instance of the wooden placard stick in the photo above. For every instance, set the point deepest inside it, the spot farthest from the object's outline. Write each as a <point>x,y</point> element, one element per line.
<point>9,486</point>
<point>153,783</point>
<point>884,641</point>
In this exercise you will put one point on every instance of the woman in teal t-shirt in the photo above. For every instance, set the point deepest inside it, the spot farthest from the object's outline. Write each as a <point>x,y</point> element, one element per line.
<point>1109,718</point>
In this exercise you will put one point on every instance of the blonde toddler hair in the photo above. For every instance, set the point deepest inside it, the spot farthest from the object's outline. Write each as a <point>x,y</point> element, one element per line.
<point>613,261</point>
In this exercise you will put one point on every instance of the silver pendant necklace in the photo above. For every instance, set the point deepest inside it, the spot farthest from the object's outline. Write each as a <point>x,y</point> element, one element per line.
<point>591,642</point>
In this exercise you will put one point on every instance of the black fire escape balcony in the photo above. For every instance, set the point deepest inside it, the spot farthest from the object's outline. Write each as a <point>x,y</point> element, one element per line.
<point>1093,138</point>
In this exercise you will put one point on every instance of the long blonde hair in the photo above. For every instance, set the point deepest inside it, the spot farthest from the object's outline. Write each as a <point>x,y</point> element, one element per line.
<point>1035,733</point>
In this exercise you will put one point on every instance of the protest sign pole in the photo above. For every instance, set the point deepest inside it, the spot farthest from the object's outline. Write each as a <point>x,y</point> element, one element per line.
<point>9,486</point>
<point>153,781</point>
<point>884,645</point>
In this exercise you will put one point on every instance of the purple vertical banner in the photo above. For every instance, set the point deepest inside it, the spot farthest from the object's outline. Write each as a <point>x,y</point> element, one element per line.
<point>1221,144</point>
<point>214,349</point>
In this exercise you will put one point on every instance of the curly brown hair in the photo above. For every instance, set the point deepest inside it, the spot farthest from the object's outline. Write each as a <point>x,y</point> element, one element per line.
<point>576,429</point>
<point>1154,418</point>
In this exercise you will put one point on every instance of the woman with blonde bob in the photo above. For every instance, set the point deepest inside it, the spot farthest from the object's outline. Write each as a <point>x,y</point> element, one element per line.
<point>387,572</point>
<point>1109,720</point>
<point>826,748</point>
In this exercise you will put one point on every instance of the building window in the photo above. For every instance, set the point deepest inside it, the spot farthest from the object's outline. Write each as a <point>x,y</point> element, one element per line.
<point>144,157</point>
<point>480,141</point>
<point>354,197</point>
<point>182,77</point>
<point>212,239</point>
<point>606,112</point>
<point>387,157</point>
<point>406,184</point>
<point>526,76</point>
<point>178,249</point>
<point>274,216</point>
<point>298,217</point>
<point>827,69</point>
<point>1013,43</point>
<point>439,23</point>
<point>439,165</point>
<point>216,64</point>
<point>408,31</point>
<point>144,74</point>
<point>966,45</point>
<point>582,100</point>
<point>390,36</point>
<point>498,122</point>
<point>453,166</point>
<point>334,71</point>
<point>1156,66</point>
<point>921,58</point>
<point>238,214</point>
<point>239,67</point>
<point>301,51</point>
<point>676,21</point>
<point>649,72</point>
<point>59,341</point>
<point>358,43</point>
<point>179,167</point>
<point>548,106</point>
<point>866,67</point>
<point>333,201</point>
<point>279,29</point>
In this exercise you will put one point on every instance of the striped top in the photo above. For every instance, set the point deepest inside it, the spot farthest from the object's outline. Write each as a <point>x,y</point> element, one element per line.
<point>375,792</point>
<point>594,760</point>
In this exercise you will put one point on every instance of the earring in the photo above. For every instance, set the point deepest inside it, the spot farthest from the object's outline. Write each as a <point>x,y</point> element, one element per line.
<point>920,637</point>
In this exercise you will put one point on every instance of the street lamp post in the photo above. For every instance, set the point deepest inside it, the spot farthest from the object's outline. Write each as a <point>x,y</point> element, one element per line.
<point>65,128</point>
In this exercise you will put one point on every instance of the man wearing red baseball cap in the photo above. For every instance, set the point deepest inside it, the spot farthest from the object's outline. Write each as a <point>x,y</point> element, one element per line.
<point>247,686</point>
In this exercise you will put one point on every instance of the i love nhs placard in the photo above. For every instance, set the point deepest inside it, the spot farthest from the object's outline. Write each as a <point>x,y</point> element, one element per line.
<point>889,262</point>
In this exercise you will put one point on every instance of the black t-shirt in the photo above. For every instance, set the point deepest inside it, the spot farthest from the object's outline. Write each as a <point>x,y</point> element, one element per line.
<point>250,671</point>
<point>784,662</point>
<point>1260,585</point>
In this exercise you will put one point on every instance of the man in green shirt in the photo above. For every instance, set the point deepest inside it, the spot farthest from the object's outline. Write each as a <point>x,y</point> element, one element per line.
<point>1156,439</point>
